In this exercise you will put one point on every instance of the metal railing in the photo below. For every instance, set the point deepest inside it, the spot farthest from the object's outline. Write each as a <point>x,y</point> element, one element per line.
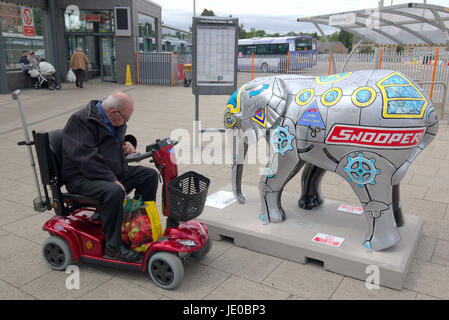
<point>156,68</point>
<point>161,68</point>
<point>423,66</point>
<point>443,93</point>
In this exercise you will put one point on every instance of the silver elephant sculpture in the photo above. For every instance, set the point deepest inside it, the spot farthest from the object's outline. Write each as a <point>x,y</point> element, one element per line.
<point>367,126</point>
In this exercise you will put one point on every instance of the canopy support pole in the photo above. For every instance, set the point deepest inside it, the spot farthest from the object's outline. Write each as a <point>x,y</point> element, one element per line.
<point>350,55</point>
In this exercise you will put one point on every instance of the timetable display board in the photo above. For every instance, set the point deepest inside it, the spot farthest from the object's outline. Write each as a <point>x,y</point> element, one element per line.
<point>214,55</point>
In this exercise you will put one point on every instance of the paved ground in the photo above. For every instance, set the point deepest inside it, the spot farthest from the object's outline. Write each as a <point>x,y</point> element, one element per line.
<point>160,110</point>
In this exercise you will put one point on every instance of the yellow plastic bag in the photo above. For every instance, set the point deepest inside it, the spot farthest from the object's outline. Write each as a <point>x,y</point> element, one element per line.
<point>156,227</point>
<point>153,215</point>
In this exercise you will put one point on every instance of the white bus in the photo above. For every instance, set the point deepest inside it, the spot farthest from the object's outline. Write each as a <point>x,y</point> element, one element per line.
<point>270,54</point>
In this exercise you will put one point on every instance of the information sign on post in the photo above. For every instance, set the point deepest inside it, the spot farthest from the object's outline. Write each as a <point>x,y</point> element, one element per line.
<point>215,42</point>
<point>214,59</point>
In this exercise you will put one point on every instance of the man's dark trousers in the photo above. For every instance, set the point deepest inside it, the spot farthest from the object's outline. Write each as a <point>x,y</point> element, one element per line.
<point>111,197</point>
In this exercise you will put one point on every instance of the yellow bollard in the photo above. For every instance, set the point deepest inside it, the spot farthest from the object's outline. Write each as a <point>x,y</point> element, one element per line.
<point>129,81</point>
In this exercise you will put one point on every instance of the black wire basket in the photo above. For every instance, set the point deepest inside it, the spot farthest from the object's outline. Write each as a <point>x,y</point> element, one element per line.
<point>187,195</point>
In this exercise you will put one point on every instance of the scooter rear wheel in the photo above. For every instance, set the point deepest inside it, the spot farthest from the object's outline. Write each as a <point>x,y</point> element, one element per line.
<point>56,253</point>
<point>166,270</point>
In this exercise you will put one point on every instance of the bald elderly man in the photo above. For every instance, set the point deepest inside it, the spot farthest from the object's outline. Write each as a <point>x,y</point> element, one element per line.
<point>93,165</point>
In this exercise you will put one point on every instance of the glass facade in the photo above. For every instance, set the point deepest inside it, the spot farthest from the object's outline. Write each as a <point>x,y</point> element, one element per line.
<point>90,21</point>
<point>168,32</point>
<point>147,32</point>
<point>13,35</point>
<point>175,40</point>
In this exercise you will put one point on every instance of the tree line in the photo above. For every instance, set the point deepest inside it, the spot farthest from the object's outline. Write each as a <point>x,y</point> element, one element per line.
<point>343,36</point>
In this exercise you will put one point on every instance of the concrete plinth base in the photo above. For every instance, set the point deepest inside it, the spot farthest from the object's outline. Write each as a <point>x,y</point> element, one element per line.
<point>292,239</point>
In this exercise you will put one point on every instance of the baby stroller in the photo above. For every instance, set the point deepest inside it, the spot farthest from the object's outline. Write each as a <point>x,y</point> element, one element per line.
<point>44,76</point>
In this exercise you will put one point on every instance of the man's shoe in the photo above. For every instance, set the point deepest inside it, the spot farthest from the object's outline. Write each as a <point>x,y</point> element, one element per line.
<point>122,254</point>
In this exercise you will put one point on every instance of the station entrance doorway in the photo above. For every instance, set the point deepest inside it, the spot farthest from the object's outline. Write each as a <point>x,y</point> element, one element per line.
<point>100,49</point>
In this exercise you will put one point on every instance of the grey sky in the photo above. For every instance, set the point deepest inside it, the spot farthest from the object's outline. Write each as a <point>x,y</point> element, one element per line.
<point>269,15</point>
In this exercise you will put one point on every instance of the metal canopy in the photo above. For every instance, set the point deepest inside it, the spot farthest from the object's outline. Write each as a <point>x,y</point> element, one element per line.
<point>403,24</point>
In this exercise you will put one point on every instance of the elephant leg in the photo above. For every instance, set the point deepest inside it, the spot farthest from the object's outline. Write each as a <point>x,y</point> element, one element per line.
<point>284,164</point>
<point>397,208</point>
<point>382,231</point>
<point>369,175</point>
<point>310,187</point>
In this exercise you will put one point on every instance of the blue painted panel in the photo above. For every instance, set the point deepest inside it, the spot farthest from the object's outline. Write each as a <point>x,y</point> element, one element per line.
<point>405,106</point>
<point>331,96</point>
<point>363,96</point>
<point>395,79</point>
<point>303,97</point>
<point>402,92</point>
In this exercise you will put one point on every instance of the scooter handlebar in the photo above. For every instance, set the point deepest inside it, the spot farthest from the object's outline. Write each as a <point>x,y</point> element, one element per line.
<point>137,156</point>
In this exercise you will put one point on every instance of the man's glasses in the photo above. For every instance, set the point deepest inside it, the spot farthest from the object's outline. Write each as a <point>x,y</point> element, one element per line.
<point>126,120</point>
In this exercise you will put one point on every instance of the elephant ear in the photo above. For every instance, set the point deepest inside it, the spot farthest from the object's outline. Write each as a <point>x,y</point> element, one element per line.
<point>277,105</point>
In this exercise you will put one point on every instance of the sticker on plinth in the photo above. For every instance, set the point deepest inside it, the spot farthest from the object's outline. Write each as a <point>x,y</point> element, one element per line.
<point>220,199</point>
<point>350,209</point>
<point>327,239</point>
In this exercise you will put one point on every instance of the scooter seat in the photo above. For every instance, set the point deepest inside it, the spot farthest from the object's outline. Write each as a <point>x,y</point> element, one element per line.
<point>81,200</point>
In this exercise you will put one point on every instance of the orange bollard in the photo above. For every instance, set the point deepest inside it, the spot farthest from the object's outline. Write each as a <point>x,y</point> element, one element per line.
<point>435,62</point>
<point>330,63</point>
<point>288,60</point>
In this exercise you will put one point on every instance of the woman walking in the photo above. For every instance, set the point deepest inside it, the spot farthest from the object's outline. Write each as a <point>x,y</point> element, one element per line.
<point>79,63</point>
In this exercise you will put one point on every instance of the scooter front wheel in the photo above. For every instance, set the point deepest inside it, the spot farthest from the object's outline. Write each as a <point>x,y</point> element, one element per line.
<point>201,253</point>
<point>166,270</point>
<point>56,253</point>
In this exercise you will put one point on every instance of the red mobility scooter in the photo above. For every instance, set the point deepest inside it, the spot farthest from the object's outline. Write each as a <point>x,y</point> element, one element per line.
<point>76,233</point>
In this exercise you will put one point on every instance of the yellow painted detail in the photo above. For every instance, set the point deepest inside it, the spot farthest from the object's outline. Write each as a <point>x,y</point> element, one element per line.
<point>385,113</point>
<point>330,104</point>
<point>89,245</point>
<point>227,116</point>
<point>261,120</point>
<point>236,109</point>
<point>312,93</point>
<point>364,104</point>
<point>332,78</point>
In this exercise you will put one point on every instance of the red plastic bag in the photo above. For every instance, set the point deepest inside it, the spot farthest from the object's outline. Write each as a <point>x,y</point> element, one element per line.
<point>136,228</point>
<point>141,224</point>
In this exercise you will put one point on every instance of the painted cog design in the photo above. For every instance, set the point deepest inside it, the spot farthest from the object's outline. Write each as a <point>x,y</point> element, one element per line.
<point>281,140</point>
<point>361,170</point>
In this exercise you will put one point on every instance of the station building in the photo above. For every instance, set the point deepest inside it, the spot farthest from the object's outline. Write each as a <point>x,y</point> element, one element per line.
<point>110,38</point>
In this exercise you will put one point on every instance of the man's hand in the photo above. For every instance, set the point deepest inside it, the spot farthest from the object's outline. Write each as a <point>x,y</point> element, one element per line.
<point>121,185</point>
<point>128,148</point>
